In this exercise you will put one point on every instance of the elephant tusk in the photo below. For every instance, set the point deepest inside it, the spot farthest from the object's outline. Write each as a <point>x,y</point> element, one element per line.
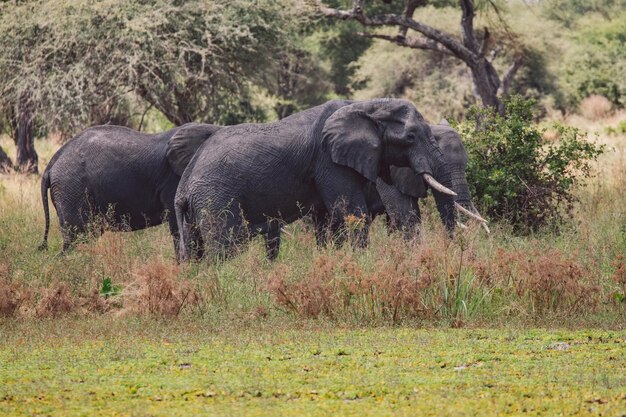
<point>437,186</point>
<point>462,226</point>
<point>484,225</point>
<point>475,216</point>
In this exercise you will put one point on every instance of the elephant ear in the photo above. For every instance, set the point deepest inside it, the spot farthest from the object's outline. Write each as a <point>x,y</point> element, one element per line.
<point>405,180</point>
<point>183,145</point>
<point>353,140</point>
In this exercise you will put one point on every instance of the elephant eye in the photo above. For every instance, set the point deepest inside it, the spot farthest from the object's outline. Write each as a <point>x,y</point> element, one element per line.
<point>410,137</point>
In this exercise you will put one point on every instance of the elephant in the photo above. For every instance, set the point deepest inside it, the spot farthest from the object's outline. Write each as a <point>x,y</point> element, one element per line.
<point>398,198</point>
<point>128,178</point>
<point>251,178</point>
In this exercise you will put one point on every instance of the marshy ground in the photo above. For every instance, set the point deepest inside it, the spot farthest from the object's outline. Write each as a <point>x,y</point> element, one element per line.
<point>148,368</point>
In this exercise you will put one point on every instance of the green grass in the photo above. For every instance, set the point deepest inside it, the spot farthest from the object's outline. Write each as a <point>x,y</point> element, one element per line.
<point>148,368</point>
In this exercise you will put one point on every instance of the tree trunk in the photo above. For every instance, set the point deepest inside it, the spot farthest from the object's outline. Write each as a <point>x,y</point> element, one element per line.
<point>26,154</point>
<point>486,82</point>
<point>5,162</point>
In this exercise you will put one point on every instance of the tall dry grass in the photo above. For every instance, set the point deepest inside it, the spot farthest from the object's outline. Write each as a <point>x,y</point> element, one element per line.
<point>572,277</point>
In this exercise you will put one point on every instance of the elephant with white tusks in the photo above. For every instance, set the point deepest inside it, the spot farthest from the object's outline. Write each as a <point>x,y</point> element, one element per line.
<point>398,199</point>
<point>128,178</point>
<point>319,160</point>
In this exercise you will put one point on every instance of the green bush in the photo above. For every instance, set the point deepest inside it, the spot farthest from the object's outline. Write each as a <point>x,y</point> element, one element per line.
<point>514,174</point>
<point>598,63</point>
<point>620,129</point>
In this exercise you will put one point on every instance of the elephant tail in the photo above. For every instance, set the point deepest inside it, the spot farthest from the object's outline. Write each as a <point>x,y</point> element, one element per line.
<point>45,185</point>
<point>181,207</point>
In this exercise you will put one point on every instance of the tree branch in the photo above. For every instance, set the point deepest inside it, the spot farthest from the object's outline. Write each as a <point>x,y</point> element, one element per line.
<point>6,165</point>
<point>408,13</point>
<point>408,42</point>
<point>484,46</point>
<point>510,73</point>
<point>467,26</point>
<point>468,56</point>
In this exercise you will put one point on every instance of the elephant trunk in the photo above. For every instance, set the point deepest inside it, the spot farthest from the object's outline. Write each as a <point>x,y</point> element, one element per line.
<point>445,206</point>
<point>461,188</point>
<point>443,175</point>
<point>463,200</point>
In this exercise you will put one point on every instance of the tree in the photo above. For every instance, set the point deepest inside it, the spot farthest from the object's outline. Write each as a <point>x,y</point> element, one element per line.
<point>476,50</point>
<point>597,62</point>
<point>199,60</point>
<point>83,62</point>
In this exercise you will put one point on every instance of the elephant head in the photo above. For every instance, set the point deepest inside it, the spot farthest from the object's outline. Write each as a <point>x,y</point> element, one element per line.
<point>451,145</point>
<point>372,136</point>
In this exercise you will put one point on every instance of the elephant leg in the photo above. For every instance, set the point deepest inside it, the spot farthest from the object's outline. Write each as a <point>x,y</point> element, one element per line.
<point>272,242</point>
<point>323,232</point>
<point>347,207</point>
<point>173,225</point>
<point>72,229</point>
<point>226,234</point>
<point>412,221</point>
<point>70,234</point>
<point>196,243</point>
<point>74,218</point>
<point>402,211</point>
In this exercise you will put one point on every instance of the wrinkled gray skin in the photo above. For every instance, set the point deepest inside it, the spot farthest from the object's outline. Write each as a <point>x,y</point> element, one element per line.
<point>397,198</point>
<point>127,177</point>
<point>318,160</point>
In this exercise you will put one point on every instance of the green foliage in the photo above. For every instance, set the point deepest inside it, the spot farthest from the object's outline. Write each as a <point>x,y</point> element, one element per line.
<point>599,62</point>
<point>620,129</point>
<point>535,80</point>
<point>84,61</point>
<point>518,177</point>
<point>108,289</point>
<point>567,12</point>
<point>342,48</point>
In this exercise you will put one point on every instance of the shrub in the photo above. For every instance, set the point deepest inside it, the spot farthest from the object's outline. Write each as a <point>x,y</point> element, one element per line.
<point>550,280</point>
<point>12,294</point>
<point>157,291</point>
<point>337,286</point>
<point>620,129</point>
<point>514,174</point>
<point>56,300</point>
<point>595,107</point>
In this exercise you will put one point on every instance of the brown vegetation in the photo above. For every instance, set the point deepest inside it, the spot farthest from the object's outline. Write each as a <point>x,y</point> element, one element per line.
<point>157,291</point>
<point>595,107</point>
<point>56,300</point>
<point>12,294</point>
<point>440,280</point>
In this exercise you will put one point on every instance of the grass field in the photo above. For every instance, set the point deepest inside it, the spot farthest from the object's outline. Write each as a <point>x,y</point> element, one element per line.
<point>433,326</point>
<point>151,368</point>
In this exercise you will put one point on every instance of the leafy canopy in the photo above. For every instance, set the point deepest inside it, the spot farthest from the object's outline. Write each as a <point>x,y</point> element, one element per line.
<point>83,61</point>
